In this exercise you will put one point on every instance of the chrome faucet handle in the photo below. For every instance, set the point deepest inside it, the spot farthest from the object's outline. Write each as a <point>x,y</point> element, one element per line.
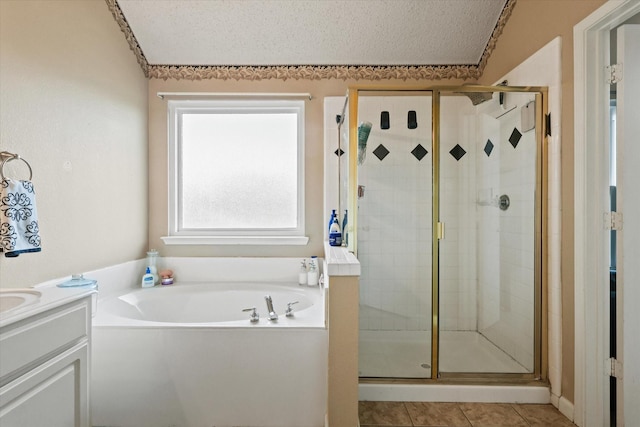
<point>289,312</point>
<point>272,313</point>
<point>254,317</point>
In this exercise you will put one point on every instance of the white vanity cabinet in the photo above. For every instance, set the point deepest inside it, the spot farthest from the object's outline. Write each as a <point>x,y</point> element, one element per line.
<point>44,360</point>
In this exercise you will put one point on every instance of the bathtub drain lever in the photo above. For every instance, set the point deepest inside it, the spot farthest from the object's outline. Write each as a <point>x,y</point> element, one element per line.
<point>254,317</point>
<point>289,312</point>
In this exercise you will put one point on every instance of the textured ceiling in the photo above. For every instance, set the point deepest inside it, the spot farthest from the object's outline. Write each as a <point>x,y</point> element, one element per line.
<point>312,32</point>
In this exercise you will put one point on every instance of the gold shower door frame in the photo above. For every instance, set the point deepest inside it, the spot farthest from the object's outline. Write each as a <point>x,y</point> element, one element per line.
<point>541,223</point>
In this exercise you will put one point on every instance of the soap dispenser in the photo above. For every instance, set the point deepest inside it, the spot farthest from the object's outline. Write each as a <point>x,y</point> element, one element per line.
<point>147,279</point>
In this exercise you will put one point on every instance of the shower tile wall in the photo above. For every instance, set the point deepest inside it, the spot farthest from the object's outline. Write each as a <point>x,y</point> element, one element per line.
<point>394,217</point>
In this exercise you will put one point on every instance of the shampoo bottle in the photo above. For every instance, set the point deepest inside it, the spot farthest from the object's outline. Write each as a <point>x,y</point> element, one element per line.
<point>147,279</point>
<point>335,236</point>
<point>333,216</point>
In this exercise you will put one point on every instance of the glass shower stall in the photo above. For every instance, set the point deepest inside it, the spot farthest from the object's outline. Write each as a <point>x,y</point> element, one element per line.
<point>444,189</point>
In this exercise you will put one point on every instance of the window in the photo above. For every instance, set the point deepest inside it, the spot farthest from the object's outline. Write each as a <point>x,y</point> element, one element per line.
<point>236,171</point>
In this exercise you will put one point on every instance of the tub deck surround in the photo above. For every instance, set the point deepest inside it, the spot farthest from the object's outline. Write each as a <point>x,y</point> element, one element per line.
<point>340,262</point>
<point>233,269</point>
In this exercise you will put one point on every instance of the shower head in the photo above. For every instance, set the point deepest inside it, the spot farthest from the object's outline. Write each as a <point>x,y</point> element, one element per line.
<point>478,97</point>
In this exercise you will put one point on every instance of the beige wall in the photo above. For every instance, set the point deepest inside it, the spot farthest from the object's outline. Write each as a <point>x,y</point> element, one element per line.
<point>158,216</point>
<point>342,379</point>
<point>73,102</point>
<point>533,24</point>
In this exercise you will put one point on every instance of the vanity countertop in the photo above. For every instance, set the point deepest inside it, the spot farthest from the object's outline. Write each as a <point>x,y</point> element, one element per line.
<point>36,300</point>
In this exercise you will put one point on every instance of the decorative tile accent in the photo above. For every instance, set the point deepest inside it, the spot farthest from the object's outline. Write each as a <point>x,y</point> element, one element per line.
<point>384,120</point>
<point>339,152</point>
<point>412,120</point>
<point>419,152</point>
<point>515,137</point>
<point>381,152</point>
<point>488,147</point>
<point>457,152</point>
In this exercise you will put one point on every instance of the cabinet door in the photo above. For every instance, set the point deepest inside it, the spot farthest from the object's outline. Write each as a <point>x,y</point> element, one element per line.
<point>51,395</point>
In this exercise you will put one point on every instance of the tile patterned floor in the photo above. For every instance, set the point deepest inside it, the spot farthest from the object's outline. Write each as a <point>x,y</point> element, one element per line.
<point>431,414</point>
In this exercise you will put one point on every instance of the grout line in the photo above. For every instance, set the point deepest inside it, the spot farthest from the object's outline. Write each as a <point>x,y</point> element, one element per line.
<point>513,406</point>
<point>404,405</point>
<point>463,414</point>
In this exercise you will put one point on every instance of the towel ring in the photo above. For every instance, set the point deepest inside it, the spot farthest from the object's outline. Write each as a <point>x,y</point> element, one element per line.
<point>7,158</point>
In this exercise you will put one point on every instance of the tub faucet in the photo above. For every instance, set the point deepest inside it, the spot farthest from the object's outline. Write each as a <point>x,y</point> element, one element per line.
<point>289,311</point>
<point>272,314</point>
<point>254,317</point>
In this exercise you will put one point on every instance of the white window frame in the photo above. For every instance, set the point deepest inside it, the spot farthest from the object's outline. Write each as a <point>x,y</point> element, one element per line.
<point>241,236</point>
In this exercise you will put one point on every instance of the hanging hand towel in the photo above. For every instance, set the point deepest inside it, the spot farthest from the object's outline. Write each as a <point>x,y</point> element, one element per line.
<point>19,231</point>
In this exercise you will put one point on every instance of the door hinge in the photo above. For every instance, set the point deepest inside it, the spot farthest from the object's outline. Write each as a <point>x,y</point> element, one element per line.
<point>613,368</point>
<point>613,73</point>
<point>613,221</point>
<point>440,230</point>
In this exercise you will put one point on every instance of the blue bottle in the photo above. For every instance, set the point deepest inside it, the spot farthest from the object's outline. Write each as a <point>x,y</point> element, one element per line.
<point>335,236</point>
<point>333,215</point>
<point>345,236</point>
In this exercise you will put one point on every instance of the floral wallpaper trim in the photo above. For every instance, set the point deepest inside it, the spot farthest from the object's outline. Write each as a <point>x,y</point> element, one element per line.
<point>311,72</point>
<point>491,44</point>
<point>115,10</point>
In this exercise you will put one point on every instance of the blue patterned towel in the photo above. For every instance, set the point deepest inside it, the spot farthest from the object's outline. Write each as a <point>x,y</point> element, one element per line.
<point>19,231</point>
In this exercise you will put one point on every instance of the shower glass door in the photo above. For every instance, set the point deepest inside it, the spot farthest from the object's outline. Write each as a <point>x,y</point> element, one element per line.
<point>394,234</point>
<point>490,251</point>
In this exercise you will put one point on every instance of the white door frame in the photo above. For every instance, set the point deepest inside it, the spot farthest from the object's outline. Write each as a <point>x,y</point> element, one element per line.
<point>591,198</point>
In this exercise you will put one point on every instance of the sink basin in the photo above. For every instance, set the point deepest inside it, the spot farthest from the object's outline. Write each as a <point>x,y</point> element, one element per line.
<point>11,299</point>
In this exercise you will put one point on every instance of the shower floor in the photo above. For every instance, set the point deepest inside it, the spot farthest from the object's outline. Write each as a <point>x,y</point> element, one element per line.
<point>407,354</point>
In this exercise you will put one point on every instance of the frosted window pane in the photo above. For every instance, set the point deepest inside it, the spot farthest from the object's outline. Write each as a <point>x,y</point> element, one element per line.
<point>239,171</point>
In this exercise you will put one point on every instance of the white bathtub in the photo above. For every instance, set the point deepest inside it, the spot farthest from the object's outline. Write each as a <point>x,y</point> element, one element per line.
<point>187,355</point>
<point>213,304</point>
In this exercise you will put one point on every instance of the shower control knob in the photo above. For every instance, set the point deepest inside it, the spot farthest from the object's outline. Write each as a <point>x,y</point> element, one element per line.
<point>504,202</point>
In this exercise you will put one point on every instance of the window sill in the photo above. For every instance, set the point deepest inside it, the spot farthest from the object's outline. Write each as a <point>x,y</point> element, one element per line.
<point>236,240</point>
